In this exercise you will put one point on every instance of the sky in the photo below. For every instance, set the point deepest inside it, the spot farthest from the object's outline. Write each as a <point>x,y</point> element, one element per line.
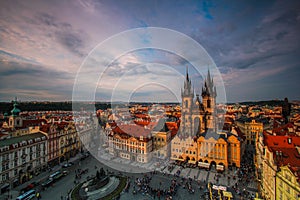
<point>255,46</point>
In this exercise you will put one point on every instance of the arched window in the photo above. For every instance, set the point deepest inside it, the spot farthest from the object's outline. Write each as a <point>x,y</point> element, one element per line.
<point>208,103</point>
<point>196,125</point>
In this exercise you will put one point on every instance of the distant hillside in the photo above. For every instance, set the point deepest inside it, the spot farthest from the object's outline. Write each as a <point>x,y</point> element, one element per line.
<point>51,106</point>
<point>65,106</point>
<point>262,103</point>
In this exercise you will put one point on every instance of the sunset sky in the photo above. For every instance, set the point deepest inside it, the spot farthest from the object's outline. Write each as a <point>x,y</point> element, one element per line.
<point>254,44</point>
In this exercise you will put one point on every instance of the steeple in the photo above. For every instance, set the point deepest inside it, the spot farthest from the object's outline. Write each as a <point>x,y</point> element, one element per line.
<point>209,89</point>
<point>15,111</point>
<point>187,89</point>
<point>187,73</point>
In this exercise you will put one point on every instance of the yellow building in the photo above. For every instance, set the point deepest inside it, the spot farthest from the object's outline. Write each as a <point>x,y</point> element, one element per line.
<point>69,142</point>
<point>184,149</point>
<point>288,183</point>
<point>278,157</point>
<point>161,144</point>
<point>212,149</point>
<point>219,150</point>
<point>250,128</point>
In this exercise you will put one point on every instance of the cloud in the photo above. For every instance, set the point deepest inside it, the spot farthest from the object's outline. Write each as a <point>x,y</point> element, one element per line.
<point>70,38</point>
<point>73,42</point>
<point>26,78</point>
<point>43,40</point>
<point>5,56</point>
<point>47,19</point>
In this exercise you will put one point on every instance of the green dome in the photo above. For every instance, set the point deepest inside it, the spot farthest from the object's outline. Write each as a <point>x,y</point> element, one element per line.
<point>15,111</point>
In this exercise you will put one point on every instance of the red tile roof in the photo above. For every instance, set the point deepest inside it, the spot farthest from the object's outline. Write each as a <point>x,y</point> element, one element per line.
<point>45,128</point>
<point>284,151</point>
<point>132,130</point>
<point>283,129</point>
<point>281,140</point>
<point>142,122</point>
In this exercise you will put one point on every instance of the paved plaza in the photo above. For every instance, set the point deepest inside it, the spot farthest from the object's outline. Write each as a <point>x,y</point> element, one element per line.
<point>196,174</point>
<point>199,177</point>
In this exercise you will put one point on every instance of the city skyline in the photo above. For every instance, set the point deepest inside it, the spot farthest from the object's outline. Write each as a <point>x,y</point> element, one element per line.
<point>255,46</point>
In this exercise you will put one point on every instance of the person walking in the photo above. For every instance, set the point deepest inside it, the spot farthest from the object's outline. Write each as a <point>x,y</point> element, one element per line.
<point>38,196</point>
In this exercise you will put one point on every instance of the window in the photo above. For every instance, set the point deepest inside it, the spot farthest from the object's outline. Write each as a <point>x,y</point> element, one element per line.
<point>280,194</point>
<point>208,103</point>
<point>5,177</point>
<point>280,183</point>
<point>288,189</point>
<point>288,177</point>
<point>5,166</point>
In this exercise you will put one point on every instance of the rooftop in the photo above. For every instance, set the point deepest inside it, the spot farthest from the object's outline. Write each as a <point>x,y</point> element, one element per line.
<point>13,140</point>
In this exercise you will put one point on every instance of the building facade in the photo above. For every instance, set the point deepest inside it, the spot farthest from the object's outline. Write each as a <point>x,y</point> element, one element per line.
<point>131,142</point>
<point>69,142</point>
<point>184,149</point>
<point>278,165</point>
<point>220,150</point>
<point>161,144</point>
<point>21,157</point>
<point>197,116</point>
<point>53,143</point>
<point>250,128</point>
<point>288,183</point>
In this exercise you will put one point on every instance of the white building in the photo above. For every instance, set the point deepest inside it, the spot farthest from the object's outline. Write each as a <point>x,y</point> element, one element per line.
<point>22,156</point>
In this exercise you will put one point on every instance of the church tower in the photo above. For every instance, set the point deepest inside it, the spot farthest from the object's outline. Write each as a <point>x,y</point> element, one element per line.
<point>209,95</point>
<point>187,96</point>
<point>15,120</point>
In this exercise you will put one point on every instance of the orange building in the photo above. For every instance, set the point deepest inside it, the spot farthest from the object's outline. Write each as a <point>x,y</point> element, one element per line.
<point>132,142</point>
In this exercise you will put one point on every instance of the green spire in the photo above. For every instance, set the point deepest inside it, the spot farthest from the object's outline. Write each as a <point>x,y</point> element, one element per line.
<point>15,111</point>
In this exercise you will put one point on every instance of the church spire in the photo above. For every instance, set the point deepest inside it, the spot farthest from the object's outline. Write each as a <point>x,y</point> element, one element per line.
<point>187,73</point>
<point>209,88</point>
<point>187,90</point>
<point>15,111</point>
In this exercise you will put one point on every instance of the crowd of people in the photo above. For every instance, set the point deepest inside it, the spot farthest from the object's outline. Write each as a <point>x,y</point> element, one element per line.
<point>161,190</point>
<point>245,174</point>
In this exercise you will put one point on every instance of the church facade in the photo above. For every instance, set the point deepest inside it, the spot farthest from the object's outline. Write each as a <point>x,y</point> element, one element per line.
<point>198,141</point>
<point>197,116</point>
